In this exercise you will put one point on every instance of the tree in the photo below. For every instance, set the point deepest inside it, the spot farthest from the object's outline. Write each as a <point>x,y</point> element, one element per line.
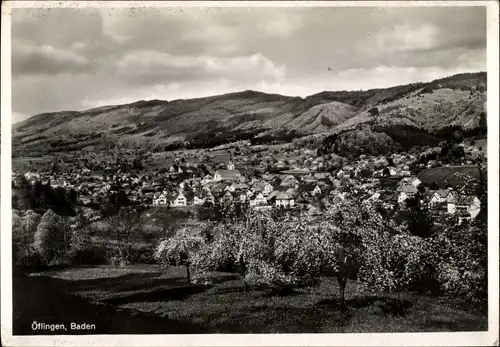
<point>124,227</point>
<point>71,196</point>
<point>460,259</point>
<point>180,249</point>
<point>81,251</point>
<point>418,219</point>
<point>137,163</point>
<point>23,232</point>
<point>49,238</point>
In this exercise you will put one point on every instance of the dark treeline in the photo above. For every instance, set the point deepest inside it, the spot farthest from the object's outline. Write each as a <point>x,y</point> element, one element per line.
<point>402,137</point>
<point>41,197</point>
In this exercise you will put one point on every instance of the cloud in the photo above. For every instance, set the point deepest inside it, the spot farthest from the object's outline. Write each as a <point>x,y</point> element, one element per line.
<point>93,56</point>
<point>150,65</point>
<point>382,76</point>
<point>399,38</point>
<point>46,59</point>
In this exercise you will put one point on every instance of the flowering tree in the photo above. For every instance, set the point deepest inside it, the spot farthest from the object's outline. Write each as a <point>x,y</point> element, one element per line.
<point>23,232</point>
<point>382,254</point>
<point>49,238</point>
<point>460,258</point>
<point>180,249</point>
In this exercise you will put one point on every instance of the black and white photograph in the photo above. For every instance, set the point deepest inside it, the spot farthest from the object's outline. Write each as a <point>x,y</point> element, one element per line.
<point>323,171</point>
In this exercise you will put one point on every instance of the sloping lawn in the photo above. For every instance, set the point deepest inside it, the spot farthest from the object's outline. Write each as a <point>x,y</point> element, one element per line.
<point>141,299</point>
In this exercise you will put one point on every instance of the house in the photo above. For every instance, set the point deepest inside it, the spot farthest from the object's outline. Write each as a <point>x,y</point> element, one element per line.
<point>159,199</point>
<point>178,200</point>
<point>321,175</point>
<point>208,198</point>
<point>284,200</point>
<point>443,197</point>
<point>465,203</point>
<point>198,200</point>
<point>342,174</point>
<point>227,197</point>
<point>309,179</point>
<point>316,191</point>
<point>312,189</point>
<point>258,200</point>
<point>405,192</point>
<point>243,197</point>
<point>206,179</point>
<point>268,188</point>
<point>289,181</point>
<point>268,177</point>
<point>414,181</point>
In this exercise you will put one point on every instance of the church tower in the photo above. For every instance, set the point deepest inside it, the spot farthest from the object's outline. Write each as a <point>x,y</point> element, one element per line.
<point>230,165</point>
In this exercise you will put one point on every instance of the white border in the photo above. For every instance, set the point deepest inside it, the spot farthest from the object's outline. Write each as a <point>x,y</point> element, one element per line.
<point>379,339</point>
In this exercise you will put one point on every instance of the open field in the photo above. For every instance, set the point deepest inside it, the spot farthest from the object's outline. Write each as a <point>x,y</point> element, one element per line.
<point>142,299</point>
<point>445,175</point>
<point>27,163</point>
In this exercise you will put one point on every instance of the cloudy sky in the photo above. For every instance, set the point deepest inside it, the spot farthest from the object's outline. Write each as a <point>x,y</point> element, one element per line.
<point>74,59</point>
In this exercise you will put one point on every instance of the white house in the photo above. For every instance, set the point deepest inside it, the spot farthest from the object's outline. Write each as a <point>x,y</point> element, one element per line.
<point>159,199</point>
<point>393,171</point>
<point>207,179</point>
<point>316,191</point>
<point>230,188</point>
<point>258,200</point>
<point>209,198</point>
<point>179,200</point>
<point>284,200</point>
<point>227,197</point>
<point>198,200</point>
<point>268,188</point>
<point>414,181</point>
<point>442,196</point>
<point>470,204</point>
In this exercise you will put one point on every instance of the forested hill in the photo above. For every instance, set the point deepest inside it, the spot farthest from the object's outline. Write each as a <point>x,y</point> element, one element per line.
<point>385,117</point>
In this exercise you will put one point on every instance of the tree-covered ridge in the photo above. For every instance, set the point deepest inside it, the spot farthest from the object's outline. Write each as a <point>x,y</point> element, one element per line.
<point>262,118</point>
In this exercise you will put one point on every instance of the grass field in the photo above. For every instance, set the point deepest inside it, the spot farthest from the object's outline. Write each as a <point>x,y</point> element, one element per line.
<point>142,299</point>
<point>445,175</point>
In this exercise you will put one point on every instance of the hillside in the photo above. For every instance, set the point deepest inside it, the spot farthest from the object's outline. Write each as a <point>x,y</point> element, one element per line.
<point>426,107</point>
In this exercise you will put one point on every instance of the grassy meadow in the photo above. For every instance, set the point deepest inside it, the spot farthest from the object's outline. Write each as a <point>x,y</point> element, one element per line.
<point>143,299</point>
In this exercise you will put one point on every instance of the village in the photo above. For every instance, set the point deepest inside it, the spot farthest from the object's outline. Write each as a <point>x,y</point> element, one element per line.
<point>276,183</point>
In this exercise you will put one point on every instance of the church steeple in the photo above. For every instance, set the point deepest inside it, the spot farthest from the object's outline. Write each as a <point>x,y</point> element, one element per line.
<point>230,165</point>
